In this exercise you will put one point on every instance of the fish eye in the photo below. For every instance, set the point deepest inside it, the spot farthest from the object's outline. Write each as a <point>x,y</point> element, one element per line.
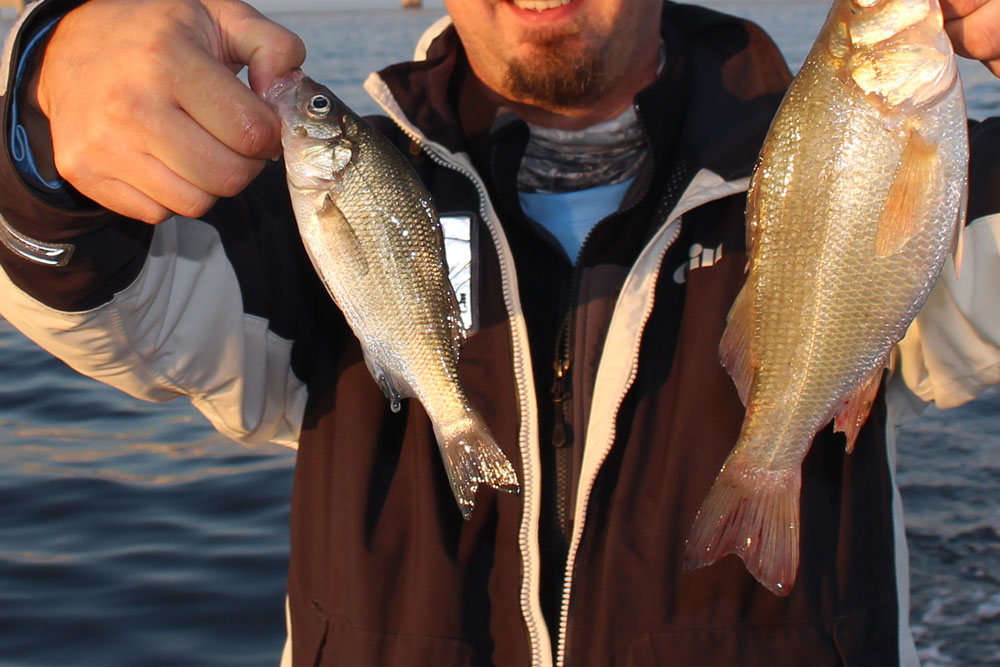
<point>319,106</point>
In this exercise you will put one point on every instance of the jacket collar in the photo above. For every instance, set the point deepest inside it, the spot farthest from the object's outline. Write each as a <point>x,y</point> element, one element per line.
<point>714,62</point>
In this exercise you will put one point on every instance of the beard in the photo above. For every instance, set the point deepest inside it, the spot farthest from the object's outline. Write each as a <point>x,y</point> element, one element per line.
<point>557,80</point>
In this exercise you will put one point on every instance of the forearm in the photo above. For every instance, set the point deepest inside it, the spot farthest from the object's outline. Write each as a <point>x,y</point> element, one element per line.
<point>179,328</point>
<point>57,246</point>
<point>154,310</point>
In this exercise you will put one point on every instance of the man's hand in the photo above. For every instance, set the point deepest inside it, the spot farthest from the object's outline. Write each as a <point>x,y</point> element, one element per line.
<point>974,27</point>
<point>146,114</point>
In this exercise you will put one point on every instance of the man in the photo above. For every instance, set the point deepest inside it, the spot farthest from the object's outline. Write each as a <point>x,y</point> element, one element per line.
<point>593,349</point>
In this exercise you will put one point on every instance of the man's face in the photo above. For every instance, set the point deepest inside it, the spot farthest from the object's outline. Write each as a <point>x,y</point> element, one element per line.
<point>560,55</point>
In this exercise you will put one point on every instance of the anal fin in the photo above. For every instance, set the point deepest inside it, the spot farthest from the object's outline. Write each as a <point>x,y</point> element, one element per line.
<point>854,411</point>
<point>736,348</point>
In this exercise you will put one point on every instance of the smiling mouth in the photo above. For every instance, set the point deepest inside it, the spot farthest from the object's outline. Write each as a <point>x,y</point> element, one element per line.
<point>539,5</point>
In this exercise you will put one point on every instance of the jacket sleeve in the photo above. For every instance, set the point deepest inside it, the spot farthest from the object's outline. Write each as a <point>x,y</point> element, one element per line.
<point>951,352</point>
<point>157,312</point>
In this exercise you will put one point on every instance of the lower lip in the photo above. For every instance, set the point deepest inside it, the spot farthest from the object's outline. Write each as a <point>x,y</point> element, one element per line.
<point>546,15</point>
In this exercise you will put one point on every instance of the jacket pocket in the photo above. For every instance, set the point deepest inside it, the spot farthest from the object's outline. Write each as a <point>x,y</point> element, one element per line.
<point>338,641</point>
<point>308,642</point>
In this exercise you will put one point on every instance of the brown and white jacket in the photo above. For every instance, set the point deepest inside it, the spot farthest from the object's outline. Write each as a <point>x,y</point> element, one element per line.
<point>585,565</point>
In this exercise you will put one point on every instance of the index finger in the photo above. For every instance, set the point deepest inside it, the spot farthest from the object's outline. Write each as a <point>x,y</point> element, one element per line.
<point>976,34</point>
<point>956,9</point>
<point>266,48</point>
<point>222,104</point>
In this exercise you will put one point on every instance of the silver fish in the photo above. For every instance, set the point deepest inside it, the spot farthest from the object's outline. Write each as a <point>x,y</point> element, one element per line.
<point>855,203</point>
<point>374,238</point>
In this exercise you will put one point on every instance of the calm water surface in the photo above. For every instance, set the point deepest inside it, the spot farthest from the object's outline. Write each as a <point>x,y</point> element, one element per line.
<point>134,534</point>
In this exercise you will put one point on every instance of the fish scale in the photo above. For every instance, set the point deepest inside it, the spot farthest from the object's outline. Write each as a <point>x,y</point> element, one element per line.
<point>857,199</point>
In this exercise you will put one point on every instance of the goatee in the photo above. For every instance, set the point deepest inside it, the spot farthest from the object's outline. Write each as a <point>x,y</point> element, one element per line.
<point>558,80</point>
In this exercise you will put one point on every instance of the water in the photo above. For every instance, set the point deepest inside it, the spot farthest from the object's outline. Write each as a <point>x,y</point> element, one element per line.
<point>131,533</point>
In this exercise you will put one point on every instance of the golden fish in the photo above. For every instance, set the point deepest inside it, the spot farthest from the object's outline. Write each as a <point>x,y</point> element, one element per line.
<point>856,200</point>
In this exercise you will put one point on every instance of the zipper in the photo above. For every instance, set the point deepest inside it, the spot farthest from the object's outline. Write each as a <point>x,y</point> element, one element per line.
<point>530,611</point>
<point>706,186</point>
<point>528,483</point>
<point>716,189</point>
<point>518,356</point>
<point>585,496</point>
<point>561,392</point>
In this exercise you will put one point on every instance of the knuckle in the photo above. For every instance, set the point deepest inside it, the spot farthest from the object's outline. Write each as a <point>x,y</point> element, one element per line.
<point>982,43</point>
<point>159,42</point>
<point>133,204</point>
<point>116,196</point>
<point>194,205</point>
<point>155,51</point>
<point>256,136</point>
<point>292,46</point>
<point>122,105</point>
<point>152,214</point>
<point>233,180</point>
<point>73,166</point>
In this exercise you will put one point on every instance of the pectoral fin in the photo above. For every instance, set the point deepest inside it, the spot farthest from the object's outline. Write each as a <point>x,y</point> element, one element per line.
<point>919,181</point>
<point>394,387</point>
<point>343,243</point>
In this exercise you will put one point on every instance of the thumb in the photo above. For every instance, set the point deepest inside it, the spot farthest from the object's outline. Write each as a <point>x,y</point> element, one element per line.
<point>251,39</point>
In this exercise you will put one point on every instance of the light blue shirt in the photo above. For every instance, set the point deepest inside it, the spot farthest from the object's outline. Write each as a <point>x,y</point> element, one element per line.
<point>569,216</point>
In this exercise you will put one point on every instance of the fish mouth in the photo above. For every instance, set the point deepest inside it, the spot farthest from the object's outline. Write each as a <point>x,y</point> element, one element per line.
<point>283,85</point>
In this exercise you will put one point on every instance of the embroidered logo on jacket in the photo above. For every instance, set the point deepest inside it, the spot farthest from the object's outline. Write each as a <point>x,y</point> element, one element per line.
<point>699,257</point>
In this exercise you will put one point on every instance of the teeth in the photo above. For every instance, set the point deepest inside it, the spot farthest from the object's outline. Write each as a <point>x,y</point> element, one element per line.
<point>540,5</point>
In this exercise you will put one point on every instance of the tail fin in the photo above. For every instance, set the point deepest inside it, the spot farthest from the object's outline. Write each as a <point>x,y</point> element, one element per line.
<point>755,515</point>
<point>472,457</point>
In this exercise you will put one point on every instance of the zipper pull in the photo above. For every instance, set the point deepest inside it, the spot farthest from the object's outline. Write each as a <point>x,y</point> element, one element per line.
<point>560,393</point>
